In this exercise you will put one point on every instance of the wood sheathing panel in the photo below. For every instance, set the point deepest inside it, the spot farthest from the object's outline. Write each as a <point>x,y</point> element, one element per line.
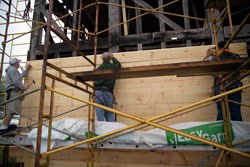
<point>77,157</point>
<point>143,97</point>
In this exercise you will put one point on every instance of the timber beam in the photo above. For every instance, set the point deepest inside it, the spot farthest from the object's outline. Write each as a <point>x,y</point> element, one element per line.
<point>161,17</point>
<point>179,69</point>
<point>128,40</point>
<point>244,32</point>
<point>223,3</point>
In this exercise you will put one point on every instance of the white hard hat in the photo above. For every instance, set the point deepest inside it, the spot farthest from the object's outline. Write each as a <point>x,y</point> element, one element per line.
<point>106,55</point>
<point>13,61</point>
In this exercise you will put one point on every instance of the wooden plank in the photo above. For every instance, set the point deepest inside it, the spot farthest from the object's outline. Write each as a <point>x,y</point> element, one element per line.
<point>179,69</point>
<point>142,97</point>
<point>133,58</point>
<point>77,157</point>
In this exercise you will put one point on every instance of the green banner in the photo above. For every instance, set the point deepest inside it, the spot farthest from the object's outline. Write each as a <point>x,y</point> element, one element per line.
<point>90,134</point>
<point>211,131</point>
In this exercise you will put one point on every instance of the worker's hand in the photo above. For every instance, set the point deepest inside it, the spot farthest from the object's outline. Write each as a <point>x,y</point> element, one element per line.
<point>211,52</point>
<point>210,55</point>
<point>28,67</point>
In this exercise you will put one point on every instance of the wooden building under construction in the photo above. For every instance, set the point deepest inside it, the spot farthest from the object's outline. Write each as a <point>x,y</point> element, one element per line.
<point>163,81</point>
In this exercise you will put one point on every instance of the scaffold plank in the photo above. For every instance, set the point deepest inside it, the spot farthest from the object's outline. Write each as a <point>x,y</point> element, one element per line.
<point>178,69</point>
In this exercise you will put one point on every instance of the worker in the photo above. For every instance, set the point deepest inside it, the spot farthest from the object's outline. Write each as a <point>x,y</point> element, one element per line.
<point>14,88</point>
<point>104,89</point>
<point>234,108</point>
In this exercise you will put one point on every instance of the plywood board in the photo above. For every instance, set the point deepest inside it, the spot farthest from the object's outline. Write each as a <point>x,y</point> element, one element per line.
<point>141,97</point>
<point>125,158</point>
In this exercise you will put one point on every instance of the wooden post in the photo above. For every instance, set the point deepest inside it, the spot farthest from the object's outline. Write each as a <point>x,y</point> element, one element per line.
<point>74,26</point>
<point>220,35</point>
<point>95,33</point>
<point>79,26</point>
<point>186,20</point>
<point>138,25</point>
<point>43,86</point>
<point>214,16</point>
<point>36,36</point>
<point>162,25</point>
<point>194,9</point>
<point>114,15</point>
<point>208,16</point>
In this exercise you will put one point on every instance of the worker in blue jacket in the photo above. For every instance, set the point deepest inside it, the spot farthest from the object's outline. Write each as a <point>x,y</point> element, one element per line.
<point>104,89</point>
<point>14,88</point>
<point>230,83</point>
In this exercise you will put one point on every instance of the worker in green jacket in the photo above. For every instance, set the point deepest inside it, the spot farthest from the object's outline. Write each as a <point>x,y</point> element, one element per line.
<point>104,89</point>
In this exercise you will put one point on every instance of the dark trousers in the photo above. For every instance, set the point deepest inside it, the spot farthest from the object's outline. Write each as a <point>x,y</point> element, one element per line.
<point>235,109</point>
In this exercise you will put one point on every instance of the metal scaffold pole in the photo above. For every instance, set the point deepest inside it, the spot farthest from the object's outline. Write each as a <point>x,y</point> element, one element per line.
<point>224,100</point>
<point>5,36</point>
<point>151,123</point>
<point>43,86</point>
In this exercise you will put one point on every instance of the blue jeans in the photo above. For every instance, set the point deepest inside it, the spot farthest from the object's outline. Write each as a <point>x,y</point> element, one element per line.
<point>235,111</point>
<point>104,98</point>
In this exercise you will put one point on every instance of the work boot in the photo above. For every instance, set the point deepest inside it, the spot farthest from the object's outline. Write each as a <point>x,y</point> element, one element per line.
<point>3,129</point>
<point>8,130</point>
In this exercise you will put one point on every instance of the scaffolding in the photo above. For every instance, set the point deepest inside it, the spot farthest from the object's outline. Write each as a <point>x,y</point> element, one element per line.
<point>89,89</point>
<point>9,42</point>
<point>5,36</point>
